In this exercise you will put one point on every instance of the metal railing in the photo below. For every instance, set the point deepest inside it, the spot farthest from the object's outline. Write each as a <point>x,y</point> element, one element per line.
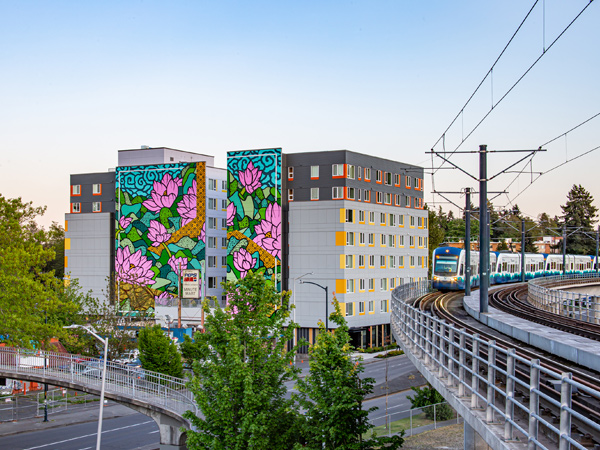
<point>445,350</point>
<point>135,383</point>
<point>411,422</point>
<point>546,294</point>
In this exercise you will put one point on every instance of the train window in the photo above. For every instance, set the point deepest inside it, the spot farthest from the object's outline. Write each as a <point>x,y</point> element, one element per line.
<point>446,264</point>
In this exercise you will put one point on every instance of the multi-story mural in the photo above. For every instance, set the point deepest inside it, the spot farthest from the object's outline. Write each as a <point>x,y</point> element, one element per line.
<point>160,230</point>
<point>254,230</point>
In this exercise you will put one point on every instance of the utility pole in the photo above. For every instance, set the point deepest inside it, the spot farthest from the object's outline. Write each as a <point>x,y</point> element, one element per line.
<point>468,242</point>
<point>179,303</point>
<point>597,244</point>
<point>522,250</point>
<point>564,271</point>
<point>484,237</point>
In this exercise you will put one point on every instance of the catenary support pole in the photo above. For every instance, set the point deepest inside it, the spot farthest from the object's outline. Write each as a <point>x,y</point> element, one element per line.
<point>522,250</point>
<point>564,271</point>
<point>597,244</point>
<point>468,242</point>
<point>484,237</point>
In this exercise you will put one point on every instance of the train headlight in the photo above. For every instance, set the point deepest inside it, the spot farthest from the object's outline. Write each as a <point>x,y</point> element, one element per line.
<point>455,279</point>
<point>435,278</point>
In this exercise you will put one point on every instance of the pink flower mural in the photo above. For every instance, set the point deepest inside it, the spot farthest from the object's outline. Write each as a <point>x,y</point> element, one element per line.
<point>157,233</point>
<point>243,261</point>
<point>250,178</point>
<point>178,264</point>
<point>187,206</point>
<point>133,268</point>
<point>268,231</point>
<point>164,193</point>
<point>203,233</point>
<point>163,299</point>
<point>231,211</point>
<point>125,221</point>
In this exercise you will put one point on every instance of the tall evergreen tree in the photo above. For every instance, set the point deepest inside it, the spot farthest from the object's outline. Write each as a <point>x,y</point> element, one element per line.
<point>158,352</point>
<point>579,216</point>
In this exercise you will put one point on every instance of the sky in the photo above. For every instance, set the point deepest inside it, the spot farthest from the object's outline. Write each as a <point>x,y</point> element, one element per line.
<point>82,80</point>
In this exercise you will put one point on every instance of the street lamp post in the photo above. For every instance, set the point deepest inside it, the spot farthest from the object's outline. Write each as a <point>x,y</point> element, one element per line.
<point>325,288</point>
<point>294,301</point>
<point>105,342</point>
<point>45,369</point>
<point>169,321</point>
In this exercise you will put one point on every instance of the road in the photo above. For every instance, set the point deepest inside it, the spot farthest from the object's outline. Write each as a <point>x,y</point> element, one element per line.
<point>133,430</point>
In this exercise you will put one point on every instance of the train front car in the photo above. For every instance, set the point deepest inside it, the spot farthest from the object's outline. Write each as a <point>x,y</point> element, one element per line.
<point>447,273</point>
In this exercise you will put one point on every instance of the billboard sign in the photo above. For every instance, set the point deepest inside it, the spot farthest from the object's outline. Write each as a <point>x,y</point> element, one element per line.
<point>190,283</point>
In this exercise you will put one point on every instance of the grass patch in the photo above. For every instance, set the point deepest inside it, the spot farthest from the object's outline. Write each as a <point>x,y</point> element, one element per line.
<point>418,420</point>
<point>390,354</point>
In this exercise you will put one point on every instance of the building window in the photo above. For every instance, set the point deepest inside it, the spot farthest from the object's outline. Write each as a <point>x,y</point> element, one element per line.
<point>382,218</point>
<point>379,197</point>
<point>359,172</point>
<point>384,284</point>
<point>337,170</point>
<point>372,217</point>
<point>349,216</point>
<point>290,173</point>
<point>412,221</point>
<point>392,220</point>
<point>411,241</point>
<point>384,306</point>
<point>314,193</point>
<point>361,238</point>
<point>75,207</point>
<point>371,284</point>
<point>224,185</point>
<point>212,282</point>
<point>290,195</point>
<point>212,261</point>
<point>400,220</point>
<point>361,307</point>
<point>371,307</point>
<point>314,172</point>
<point>367,195</point>
<point>361,261</point>
<point>391,241</point>
<point>76,189</point>
<point>379,176</point>
<point>361,216</point>
<point>392,262</point>
<point>408,181</point>
<point>348,261</point>
<point>407,201</point>
<point>349,286</point>
<point>400,261</point>
<point>96,189</point>
<point>350,309</point>
<point>212,204</point>
<point>337,193</point>
<point>388,178</point>
<point>371,261</point>
<point>412,261</point>
<point>420,241</point>
<point>382,261</point>
<point>212,242</point>
<point>388,198</point>
<point>224,204</point>
<point>224,223</point>
<point>383,239</point>
<point>371,239</point>
<point>349,238</point>
<point>212,223</point>
<point>367,174</point>
<point>401,241</point>
<point>392,283</point>
<point>351,193</point>
<point>361,284</point>
<point>224,261</point>
<point>223,242</point>
<point>212,184</point>
<point>96,206</point>
<point>351,173</point>
<point>359,194</point>
<point>397,179</point>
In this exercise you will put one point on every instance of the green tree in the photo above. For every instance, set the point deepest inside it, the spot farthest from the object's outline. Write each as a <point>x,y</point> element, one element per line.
<point>242,365</point>
<point>437,233</point>
<point>333,392</point>
<point>579,216</point>
<point>427,396</point>
<point>158,352</point>
<point>28,294</point>
<point>55,240</point>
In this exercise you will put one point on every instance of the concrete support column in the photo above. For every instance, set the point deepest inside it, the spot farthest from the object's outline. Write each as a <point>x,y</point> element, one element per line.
<point>472,440</point>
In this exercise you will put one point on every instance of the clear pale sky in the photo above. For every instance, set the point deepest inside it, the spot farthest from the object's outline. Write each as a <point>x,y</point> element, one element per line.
<point>81,80</point>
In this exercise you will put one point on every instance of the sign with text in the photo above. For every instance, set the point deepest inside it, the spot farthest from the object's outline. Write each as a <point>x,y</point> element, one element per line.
<point>190,283</point>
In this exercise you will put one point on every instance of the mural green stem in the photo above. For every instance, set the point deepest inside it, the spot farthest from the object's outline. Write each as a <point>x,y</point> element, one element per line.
<point>167,249</point>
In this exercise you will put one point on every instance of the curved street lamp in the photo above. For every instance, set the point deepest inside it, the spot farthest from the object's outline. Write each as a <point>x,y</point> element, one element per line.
<point>90,330</point>
<point>325,288</point>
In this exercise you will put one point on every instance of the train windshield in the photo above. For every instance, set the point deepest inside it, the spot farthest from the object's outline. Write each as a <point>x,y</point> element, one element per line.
<point>446,264</point>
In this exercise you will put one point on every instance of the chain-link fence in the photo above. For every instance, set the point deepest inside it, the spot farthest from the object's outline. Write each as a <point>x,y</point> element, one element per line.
<point>19,406</point>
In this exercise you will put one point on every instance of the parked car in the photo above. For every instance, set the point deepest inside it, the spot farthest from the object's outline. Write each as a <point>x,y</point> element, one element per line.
<point>134,368</point>
<point>128,357</point>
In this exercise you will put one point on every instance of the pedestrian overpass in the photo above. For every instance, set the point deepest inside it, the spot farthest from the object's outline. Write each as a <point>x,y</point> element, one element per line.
<point>161,397</point>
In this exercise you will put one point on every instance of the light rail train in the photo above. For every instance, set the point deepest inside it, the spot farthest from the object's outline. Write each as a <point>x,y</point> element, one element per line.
<point>505,267</point>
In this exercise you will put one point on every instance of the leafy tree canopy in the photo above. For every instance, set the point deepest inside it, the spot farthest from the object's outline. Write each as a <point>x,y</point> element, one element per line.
<point>158,352</point>
<point>579,216</point>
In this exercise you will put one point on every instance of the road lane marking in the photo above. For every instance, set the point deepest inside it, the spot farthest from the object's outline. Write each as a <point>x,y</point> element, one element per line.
<point>89,435</point>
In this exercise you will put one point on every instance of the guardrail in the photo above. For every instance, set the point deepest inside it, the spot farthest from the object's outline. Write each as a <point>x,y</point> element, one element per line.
<point>131,382</point>
<point>444,350</point>
<point>545,293</point>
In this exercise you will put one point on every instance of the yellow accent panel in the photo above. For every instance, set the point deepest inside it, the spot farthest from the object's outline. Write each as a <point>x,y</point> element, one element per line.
<point>342,261</point>
<point>343,309</point>
<point>66,261</point>
<point>340,238</point>
<point>66,225</point>
<point>342,215</point>
<point>67,243</point>
<point>354,261</point>
<point>340,286</point>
